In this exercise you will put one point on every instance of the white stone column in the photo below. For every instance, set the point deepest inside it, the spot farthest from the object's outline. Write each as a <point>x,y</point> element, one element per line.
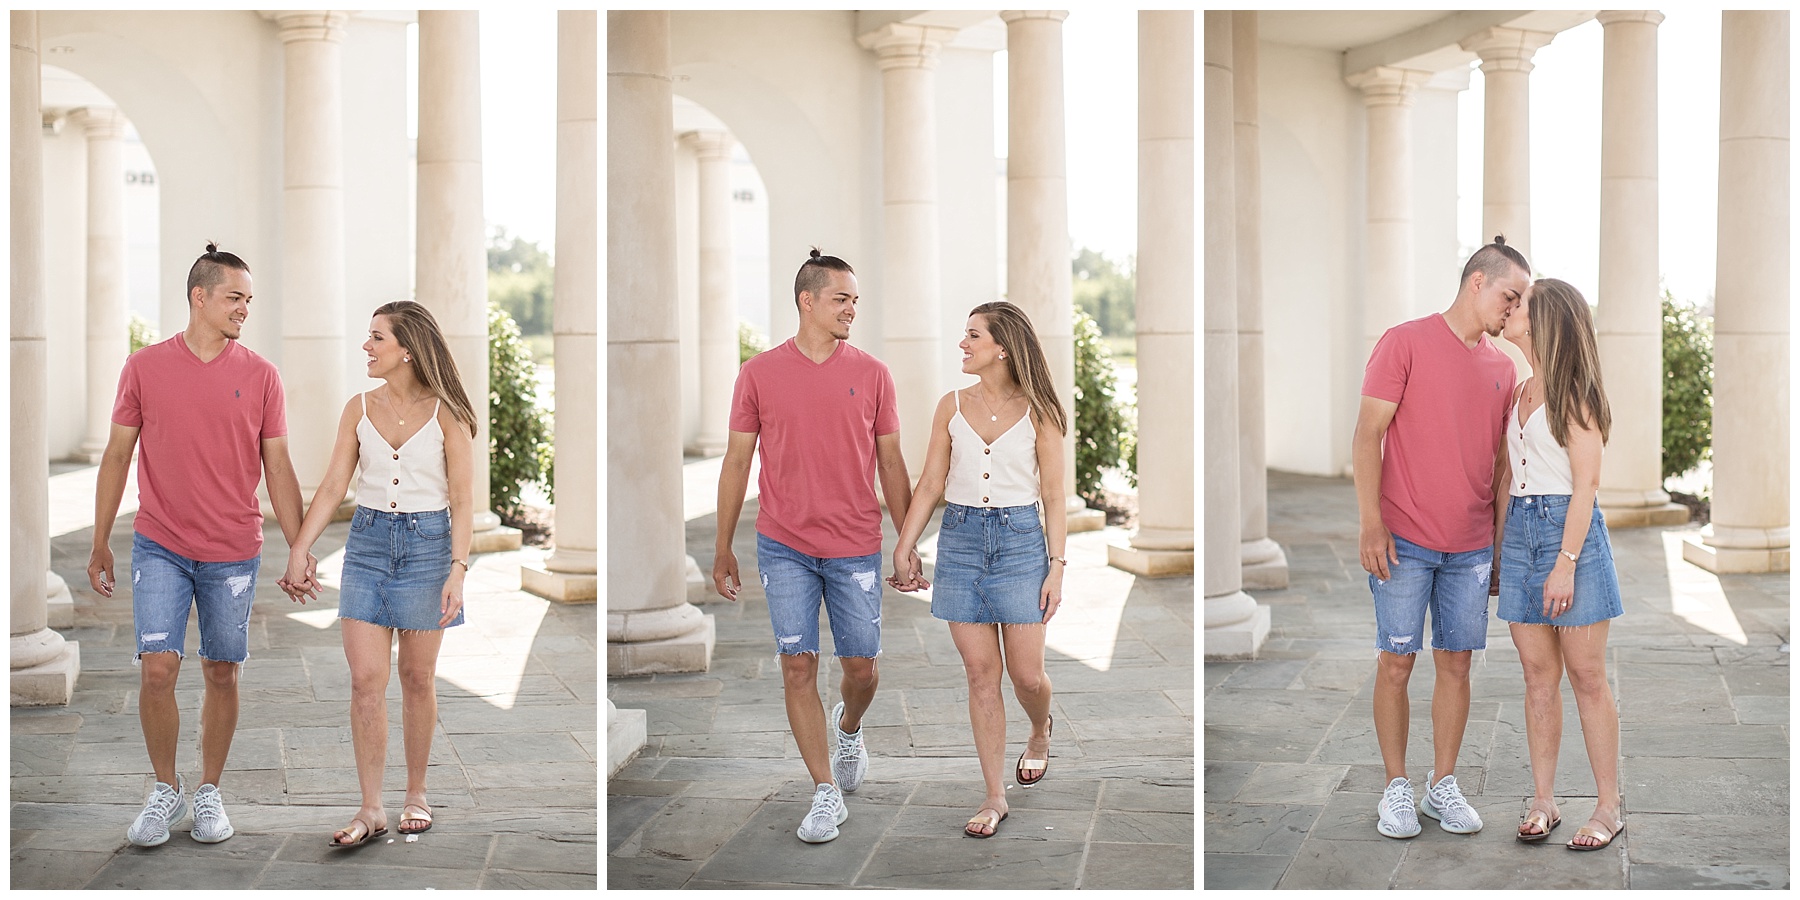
<point>451,260</point>
<point>571,574</point>
<point>1164,541</point>
<point>1388,98</point>
<point>1038,273</point>
<point>312,290</point>
<point>1628,323</point>
<point>1506,132</point>
<point>1265,565</point>
<point>107,340</point>
<point>44,665</point>
<point>1235,624</point>
<point>911,270</point>
<point>718,349</point>
<point>650,626</point>
<point>1749,530</point>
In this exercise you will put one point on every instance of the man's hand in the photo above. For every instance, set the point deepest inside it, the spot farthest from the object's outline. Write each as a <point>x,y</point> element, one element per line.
<point>1376,546</point>
<point>100,570</point>
<point>909,571</point>
<point>725,575</point>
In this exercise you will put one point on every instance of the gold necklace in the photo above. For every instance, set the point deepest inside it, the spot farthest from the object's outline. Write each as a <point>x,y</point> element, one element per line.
<point>994,416</point>
<point>409,405</point>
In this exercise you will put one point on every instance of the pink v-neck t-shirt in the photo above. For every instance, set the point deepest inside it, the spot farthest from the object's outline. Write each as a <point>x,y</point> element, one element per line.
<point>1437,460</point>
<point>202,425</point>
<point>817,424</point>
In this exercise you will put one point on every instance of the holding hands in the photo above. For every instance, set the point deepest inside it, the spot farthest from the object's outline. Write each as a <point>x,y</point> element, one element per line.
<point>301,583</point>
<point>909,572</point>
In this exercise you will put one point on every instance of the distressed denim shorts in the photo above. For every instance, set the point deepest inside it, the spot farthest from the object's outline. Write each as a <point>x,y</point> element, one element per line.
<point>1453,585</point>
<point>795,584</point>
<point>395,566</point>
<point>1533,542</point>
<point>165,585</point>
<point>991,565</point>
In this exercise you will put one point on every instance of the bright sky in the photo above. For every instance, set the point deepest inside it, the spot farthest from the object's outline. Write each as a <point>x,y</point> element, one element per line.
<point>518,119</point>
<point>1565,155</point>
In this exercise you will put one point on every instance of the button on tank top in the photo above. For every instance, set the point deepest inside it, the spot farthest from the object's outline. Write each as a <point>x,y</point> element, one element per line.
<point>404,479</point>
<point>1003,473</point>
<point>1539,464</point>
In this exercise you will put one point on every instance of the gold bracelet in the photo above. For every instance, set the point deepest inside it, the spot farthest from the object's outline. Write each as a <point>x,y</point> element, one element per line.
<point>1060,560</point>
<point>462,562</point>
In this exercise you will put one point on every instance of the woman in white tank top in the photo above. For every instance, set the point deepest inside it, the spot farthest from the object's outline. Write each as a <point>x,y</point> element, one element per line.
<point>1558,585</point>
<point>408,549</point>
<point>996,454</point>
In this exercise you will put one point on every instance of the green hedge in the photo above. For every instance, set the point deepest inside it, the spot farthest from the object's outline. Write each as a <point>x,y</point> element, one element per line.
<point>1687,342</point>
<point>1105,435</point>
<point>520,450</point>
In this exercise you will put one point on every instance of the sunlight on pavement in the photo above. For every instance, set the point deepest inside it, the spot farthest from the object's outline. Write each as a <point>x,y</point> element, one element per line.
<point>1695,594</point>
<point>700,485</point>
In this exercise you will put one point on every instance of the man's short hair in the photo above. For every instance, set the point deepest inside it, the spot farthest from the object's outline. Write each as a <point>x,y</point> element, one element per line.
<point>210,268</point>
<point>815,272</point>
<point>1495,261</point>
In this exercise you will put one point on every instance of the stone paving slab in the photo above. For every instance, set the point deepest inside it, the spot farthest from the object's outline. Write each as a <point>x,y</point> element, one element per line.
<point>1699,667</point>
<point>715,797</point>
<point>513,769</point>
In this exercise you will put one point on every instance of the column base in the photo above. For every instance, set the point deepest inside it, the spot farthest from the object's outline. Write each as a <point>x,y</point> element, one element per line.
<point>498,539</point>
<point>1148,563</point>
<point>1727,560</point>
<point>344,512</point>
<point>690,652</point>
<point>1238,640</point>
<point>88,453</point>
<point>705,447</point>
<point>627,732</point>
<point>49,683</point>
<point>1659,515</point>
<point>563,587</point>
<point>693,575</point>
<point>59,606</point>
<point>1265,565</point>
<point>1085,519</point>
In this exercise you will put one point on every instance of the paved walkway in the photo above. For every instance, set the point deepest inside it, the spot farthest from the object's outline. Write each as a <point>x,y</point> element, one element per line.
<point>713,801</point>
<point>513,763</point>
<point>1699,666</point>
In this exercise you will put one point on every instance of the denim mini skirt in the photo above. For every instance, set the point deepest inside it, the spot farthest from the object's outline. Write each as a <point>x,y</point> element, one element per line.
<point>1533,543</point>
<point>395,566</point>
<point>991,565</point>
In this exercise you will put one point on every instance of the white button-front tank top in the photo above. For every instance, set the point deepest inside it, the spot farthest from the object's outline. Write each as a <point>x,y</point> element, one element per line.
<point>1003,473</point>
<point>405,479</point>
<point>1539,464</point>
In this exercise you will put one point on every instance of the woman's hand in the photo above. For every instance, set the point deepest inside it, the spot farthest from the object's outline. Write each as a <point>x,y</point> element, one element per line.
<point>300,582</point>
<point>909,572</point>
<point>1050,596</point>
<point>452,602</point>
<point>1559,588</point>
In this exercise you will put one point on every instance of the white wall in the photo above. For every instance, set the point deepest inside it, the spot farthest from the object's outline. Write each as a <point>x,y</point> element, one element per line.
<point>968,208</point>
<point>378,168</point>
<point>1437,255</point>
<point>65,285</point>
<point>687,284</point>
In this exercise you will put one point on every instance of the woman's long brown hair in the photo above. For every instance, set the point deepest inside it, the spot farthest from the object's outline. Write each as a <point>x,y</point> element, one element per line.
<point>416,330</point>
<point>1025,359</point>
<point>1562,332</point>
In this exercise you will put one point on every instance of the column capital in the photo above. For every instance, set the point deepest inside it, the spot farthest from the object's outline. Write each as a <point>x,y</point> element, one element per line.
<point>99,123</point>
<point>1506,49</point>
<point>310,25</point>
<point>710,143</point>
<point>902,45</point>
<point>1010,16</point>
<point>1388,85</point>
<point>1614,16</point>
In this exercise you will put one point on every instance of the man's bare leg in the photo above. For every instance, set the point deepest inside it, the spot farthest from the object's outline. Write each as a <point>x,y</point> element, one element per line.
<point>218,718</point>
<point>806,715</point>
<point>157,713</point>
<point>1449,708</point>
<point>1392,715</point>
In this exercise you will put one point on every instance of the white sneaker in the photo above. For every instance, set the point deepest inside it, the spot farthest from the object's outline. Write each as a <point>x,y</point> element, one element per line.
<point>828,812</point>
<point>166,806</point>
<point>849,758</point>
<point>210,824</point>
<point>1444,802</point>
<point>1398,817</point>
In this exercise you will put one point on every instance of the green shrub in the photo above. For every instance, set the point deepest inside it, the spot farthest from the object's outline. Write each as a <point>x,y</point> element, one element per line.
<point>1105,436</point>
<point>750,342</point>
<point>1687,387</point>
<point>142,335</point>
<point>519,445</point>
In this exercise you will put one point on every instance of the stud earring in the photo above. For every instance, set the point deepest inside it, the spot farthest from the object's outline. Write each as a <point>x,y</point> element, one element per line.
<point>1002,356</point>
<point>406,359</point>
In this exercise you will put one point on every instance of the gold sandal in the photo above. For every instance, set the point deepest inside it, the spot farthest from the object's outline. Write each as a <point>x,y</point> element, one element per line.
<point>1544,826</point>
<point>1042,766</point>
<point>1604,838</point>
<point>992,823</point>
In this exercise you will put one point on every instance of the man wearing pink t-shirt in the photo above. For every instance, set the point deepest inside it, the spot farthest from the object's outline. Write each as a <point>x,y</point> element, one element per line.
<point>825,415</point>
<point>212,421</point>
<point>1427,443</point>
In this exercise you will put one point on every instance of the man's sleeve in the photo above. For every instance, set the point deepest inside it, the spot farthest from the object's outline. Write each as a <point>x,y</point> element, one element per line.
<point>746,414</point>
<point>887,409</point>
<point>128,403</point>
<point>274,407</point>
<point>1389,367</point>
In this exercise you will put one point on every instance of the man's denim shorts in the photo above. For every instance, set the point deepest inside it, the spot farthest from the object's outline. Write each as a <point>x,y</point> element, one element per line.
<point>795,584</point>
<point>1453,585</point>
<point>165,585</point>
<point>395,567</point>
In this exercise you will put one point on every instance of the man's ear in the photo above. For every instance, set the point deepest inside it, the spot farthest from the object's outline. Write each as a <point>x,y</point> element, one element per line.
<point>1477,279</point>
<point>806,301</point>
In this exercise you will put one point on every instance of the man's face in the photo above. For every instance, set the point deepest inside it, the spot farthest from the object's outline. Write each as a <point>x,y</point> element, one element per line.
<point>226,305</point>
<point>833,308</point>
<point>1496,299</point>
